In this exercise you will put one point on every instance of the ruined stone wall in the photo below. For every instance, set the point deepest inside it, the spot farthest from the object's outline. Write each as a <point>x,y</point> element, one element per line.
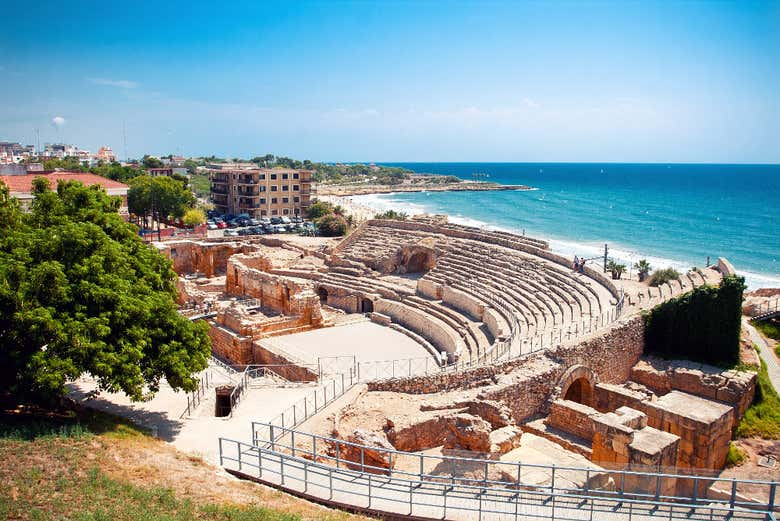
<point>527,383</point>
<point>736,388</point>
<point>275,292</point>
<point>572,417</point>
<point>228,345</point>
<point>209,258</point>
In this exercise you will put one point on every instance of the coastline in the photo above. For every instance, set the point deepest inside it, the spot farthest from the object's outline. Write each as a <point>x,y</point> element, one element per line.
<point>463,186</point>
<point>364,206</point>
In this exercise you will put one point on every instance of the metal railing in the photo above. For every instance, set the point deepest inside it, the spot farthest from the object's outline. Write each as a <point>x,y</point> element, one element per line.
<point>313,403</point>
<point>195,397</point>
<point>765,309</point>
<point>483,486</point>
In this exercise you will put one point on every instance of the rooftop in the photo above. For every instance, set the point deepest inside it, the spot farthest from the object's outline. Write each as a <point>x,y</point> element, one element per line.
<point>22,184</point>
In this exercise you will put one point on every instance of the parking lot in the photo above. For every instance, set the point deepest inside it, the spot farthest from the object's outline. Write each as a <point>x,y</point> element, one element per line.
<point>242,225</point>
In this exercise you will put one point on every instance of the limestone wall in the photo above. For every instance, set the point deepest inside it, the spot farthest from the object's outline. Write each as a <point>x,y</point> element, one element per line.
<point>526,384</point>
<point>572,417</point>
<point>429,327</point>
<point>208,258</point>
<point>462,301</point>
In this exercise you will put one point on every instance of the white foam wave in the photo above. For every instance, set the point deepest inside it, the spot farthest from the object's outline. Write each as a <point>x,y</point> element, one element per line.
<point>620,253</point>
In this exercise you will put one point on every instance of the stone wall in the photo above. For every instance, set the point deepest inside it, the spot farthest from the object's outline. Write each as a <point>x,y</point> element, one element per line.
<point>282,294</point>
<point>572,417</point>
<point>429,327</point>
<point>736,388</point>
<point>208,258</point>
<point>527,383</point>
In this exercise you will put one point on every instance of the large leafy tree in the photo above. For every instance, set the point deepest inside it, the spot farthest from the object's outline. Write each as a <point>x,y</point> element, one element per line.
<point>159,197</point>
<point>80,292</point>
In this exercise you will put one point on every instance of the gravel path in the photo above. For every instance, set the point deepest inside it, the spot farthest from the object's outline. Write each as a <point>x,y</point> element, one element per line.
<point>772,365</point>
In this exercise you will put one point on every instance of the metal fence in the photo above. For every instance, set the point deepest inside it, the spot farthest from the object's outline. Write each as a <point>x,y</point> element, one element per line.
<point>765,309</point>
<point>195,397</point>
<point>446,495</point>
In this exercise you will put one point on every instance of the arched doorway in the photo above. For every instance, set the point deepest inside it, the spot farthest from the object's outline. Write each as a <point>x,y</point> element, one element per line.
<point>323,294</point>
<point>577,384</point>
<point>580,391</point>
<point>366,305</point>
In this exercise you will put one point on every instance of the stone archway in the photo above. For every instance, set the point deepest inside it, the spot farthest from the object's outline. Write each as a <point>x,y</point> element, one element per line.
<point>323,294</point>
<point>366,305</point>
<point>577,384</point>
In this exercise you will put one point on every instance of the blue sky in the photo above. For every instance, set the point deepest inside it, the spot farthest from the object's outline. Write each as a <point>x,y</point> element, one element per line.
<point>400,81</point>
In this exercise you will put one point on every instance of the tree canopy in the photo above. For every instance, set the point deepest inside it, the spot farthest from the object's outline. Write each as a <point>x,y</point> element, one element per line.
<point>80,292</point>
<point>159,197</point>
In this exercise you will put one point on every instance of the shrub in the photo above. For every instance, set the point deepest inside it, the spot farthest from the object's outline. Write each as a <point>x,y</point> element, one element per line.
<point>702,325</point>
<point>319,209</point>
<point>762,418</point>
<point>735,455</point>
<point>665,275</point>
<point>391,214</point>
<point>643,269</point>
<point>194,217</point>
<point>332,225</point>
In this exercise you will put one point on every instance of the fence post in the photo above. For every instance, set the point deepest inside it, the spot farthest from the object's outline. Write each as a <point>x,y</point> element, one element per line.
<point>221,463</point>
<point>362,459</point>
<point>305,477</point>
<point>330,482</point>
<point>281,468</point>
<point>239,456</point>
<point>369,490</point>
<point>273,438</point>
<point>292,442</point>
<point>259,462</point>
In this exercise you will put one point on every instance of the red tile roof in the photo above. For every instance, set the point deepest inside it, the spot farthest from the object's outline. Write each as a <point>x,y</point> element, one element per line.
<point>23,183</point>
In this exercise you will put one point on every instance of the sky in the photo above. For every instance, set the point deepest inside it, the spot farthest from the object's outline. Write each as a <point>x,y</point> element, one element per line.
<point>388,81</point>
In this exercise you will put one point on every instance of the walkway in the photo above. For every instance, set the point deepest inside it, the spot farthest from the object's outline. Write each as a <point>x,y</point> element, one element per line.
<point>772,365</point>
<point>380,494</point>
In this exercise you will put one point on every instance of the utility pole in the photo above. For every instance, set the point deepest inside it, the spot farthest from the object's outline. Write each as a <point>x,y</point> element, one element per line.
<point>606,252</point>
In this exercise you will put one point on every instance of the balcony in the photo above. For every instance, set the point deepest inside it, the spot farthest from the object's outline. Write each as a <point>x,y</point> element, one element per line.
<point>246,180</point>
<point>222,179</point>
<point>248,192</point>
<point>219,189</point>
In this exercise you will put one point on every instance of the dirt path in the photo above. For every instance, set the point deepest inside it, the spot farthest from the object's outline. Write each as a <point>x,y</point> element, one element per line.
<point>769,356</point>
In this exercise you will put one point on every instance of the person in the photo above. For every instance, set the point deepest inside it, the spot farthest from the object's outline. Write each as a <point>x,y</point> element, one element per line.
<point>576,264</point>
<point>582,265</point>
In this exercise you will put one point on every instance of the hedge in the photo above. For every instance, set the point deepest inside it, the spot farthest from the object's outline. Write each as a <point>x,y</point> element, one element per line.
<point>702,325</point>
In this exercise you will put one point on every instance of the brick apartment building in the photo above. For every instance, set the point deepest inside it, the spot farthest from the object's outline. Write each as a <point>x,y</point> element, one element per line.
<point>261,192</point>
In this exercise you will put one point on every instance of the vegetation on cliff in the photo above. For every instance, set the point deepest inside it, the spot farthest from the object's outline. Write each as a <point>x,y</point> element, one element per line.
<point>702,325</point>
<point>762,418</point>
<point>80,292</point>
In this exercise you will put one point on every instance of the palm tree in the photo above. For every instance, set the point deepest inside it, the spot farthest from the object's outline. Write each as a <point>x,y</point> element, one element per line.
<point>616,269</point>
<point>643,268</point>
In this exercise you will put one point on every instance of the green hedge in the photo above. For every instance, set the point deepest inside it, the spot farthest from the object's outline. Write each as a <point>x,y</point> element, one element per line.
<point>702,325</point>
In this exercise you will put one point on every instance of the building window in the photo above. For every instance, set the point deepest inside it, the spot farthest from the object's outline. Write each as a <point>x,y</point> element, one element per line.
<point>173,252</point>
<point>296,199</point>
<point>285,200</point>
<point>262,200</point>
<point>262,177</point>
<point>286,211</point>
<point>263,213</point>
<point>297,211</point>
<point>285,176</point>
<point>295,175</point>
<point>262,188</point>
<point>273,177</point>
<point>274,188</point>
<point>274,200</point>
<point>285,188</point>
<point>274,212</point>
<point>296,188</point>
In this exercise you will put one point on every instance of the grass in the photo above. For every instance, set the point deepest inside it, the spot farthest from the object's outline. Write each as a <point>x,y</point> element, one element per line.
<point>735,455</point>
<point>762,418</point>
<point>89,466</point>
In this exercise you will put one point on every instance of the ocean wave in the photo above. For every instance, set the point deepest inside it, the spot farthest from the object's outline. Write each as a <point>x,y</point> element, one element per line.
<point>620,253</point>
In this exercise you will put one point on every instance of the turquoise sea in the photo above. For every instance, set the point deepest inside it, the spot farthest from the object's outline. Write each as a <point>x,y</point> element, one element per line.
<point>672,214</point>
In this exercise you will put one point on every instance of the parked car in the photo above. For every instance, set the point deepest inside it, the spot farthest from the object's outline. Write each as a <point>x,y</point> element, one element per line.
<point>222,225</point>
<point>276,220</point>
<point>297,219</point>
<point>253,222</point>
<point>211,226</point>
<point>286,220</point>
<point>231,233</point>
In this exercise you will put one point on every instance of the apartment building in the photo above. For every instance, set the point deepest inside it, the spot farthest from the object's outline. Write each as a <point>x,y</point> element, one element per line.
<point>261,192</point>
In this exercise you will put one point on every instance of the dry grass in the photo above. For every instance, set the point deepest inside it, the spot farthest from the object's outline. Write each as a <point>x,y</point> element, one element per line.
<point>95,467</point>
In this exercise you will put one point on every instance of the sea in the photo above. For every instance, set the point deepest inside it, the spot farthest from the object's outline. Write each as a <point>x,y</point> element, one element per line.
<point>673,215</point>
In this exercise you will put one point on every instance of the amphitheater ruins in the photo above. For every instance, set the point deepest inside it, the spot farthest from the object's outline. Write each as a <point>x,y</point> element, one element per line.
<point>442,353</point>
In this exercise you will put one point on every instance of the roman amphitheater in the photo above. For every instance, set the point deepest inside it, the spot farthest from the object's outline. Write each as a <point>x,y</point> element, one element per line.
<point>425,369</point>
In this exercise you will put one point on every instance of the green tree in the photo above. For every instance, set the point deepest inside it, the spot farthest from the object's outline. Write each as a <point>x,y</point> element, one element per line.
<point>193,217</point>
<point>151,162</point>
<point>81,293</point>
<point>319,209</point>
<point>332,225</point>
<point>643,268</point>
<point>160,198</point>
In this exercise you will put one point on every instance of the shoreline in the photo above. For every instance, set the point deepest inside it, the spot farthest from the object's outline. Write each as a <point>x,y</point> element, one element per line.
<point>463,186</point>
<point>361,208</point>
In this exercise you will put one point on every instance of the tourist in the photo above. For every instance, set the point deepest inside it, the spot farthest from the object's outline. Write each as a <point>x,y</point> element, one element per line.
<point>582,265</point>
<point>576,264</point>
